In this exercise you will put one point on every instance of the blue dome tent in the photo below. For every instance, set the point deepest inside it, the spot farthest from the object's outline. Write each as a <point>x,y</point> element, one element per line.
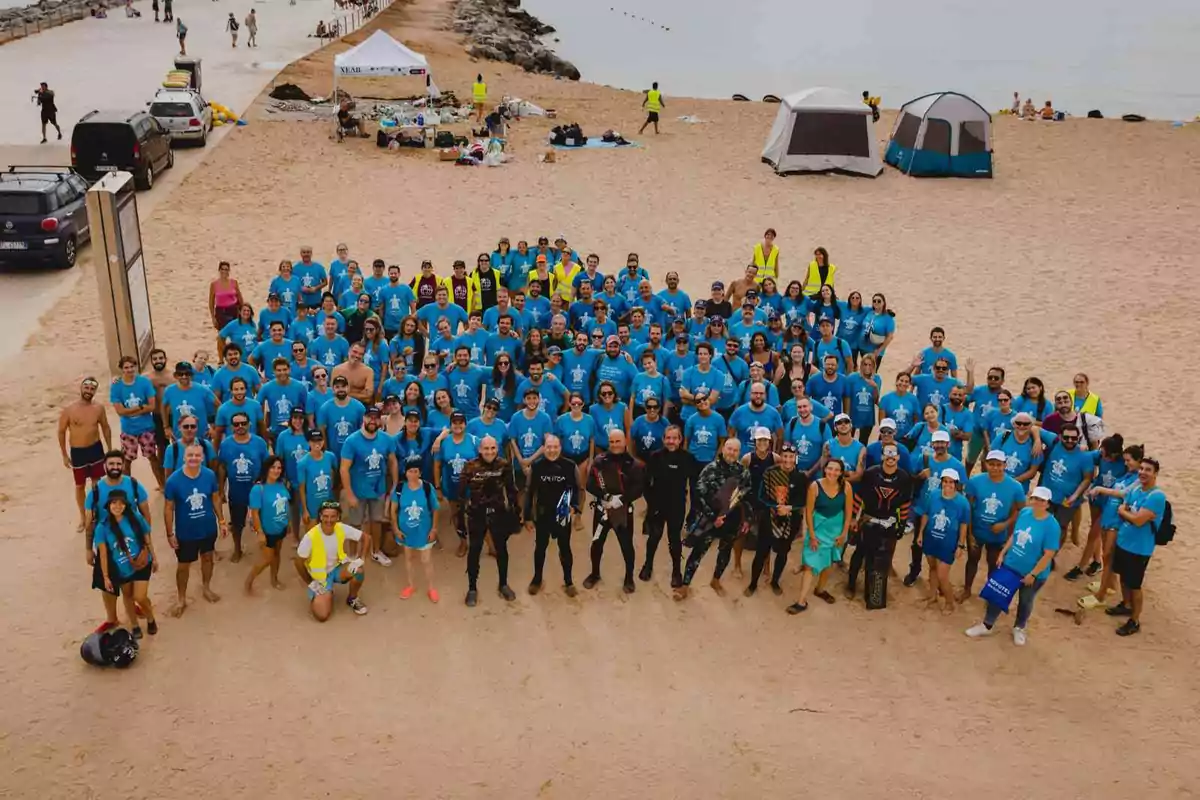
<point>944,134</point>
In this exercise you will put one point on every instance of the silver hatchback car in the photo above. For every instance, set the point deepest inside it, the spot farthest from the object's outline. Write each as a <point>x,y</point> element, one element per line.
<point>184,114</point>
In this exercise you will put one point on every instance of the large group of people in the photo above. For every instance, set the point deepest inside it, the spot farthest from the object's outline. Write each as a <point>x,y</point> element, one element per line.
<point>363,413</point>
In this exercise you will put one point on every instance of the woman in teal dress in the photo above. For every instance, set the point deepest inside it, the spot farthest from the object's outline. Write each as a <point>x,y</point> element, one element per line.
<point>827,513</point>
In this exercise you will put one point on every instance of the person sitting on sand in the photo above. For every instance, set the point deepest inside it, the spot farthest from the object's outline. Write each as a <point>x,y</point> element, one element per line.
<point>1027,110</point>
<point>321,32</point>
<point>321,562</point>
<point>347,122</point>
<point>1048,111</point>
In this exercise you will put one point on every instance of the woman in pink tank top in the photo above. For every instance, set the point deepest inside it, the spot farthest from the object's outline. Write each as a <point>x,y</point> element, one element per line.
<point>224,298</point>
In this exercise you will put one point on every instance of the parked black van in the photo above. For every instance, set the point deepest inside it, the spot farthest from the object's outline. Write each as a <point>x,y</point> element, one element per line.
<point>129,141</point>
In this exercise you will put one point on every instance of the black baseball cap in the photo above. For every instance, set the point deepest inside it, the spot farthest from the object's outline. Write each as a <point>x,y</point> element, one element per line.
<point>298,412</point>
<point>183,368</point>
<point>458,416</point>
<point>340,379</point>
<point>412,413</point>
<point>374,409</point>
<point>413,462</point>
<point>492,403</point>
<point>315,435</point>
<point>392,397</point>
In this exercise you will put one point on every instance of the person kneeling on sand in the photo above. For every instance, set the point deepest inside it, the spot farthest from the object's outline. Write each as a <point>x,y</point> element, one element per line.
<point>321,562</point>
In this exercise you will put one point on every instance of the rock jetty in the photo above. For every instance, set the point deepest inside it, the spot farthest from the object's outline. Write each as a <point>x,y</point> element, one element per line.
<point>500,30</point>
<point>25,20</point>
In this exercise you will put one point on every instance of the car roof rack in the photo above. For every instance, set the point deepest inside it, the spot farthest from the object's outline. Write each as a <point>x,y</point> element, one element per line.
<point>41,169</point>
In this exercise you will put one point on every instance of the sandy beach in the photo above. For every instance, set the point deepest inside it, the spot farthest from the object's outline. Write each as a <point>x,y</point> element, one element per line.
<point>1078,256</point>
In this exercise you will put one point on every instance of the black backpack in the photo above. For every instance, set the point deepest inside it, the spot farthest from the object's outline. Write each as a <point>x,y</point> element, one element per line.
<point>443,140</point>
<point>133,501</point>
<point>1164,532</point>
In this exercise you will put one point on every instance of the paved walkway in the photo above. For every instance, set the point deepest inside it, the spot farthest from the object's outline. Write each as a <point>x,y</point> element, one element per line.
<point>118,63</point>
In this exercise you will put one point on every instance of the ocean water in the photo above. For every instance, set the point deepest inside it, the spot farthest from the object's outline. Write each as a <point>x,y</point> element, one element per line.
<point>1118,56</point>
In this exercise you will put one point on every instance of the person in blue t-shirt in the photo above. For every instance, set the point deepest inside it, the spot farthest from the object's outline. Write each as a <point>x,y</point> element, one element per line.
<point>313,278</point>
<point>753,415</point>
<point>504,340</point>
<point>316,479</point>
<point>646,432</point>
<point>234,367</point>
<point>287,285</point>
<point>330,348</point>
<point>340,417</point>
<point>537,307</point>
<point>942,531</point>
<point>577,431</point>
<point>552,394</point>
<point>648,384</point>
<point>934,389</point>
<point>703,434</point>
<point>959,420</point>
<point>411,508</point>
<point>930,355</point>
<point>1029,552</point>
<point>292,445</point>
<point>488,423</point>
<point>613,367</point>
<point>887,436</point>
<point>863,389</point>
<point>264,355</point>
<point>1142,514</point>
<point>995,499</point>
<point>610,414</point>
<point>828,387</point>
<point>368,458</point>
<point>1067,472</point>
<point>1023,448</point>
<point>455,314</point>
<point>901,406</point>
<point>120,543</point>
<point>466,381</point>
<point>192,512</point>
<point>396,301</point>
<point>826,344</point>
<point>133,397</point>
<point>528,429</point>
<point>239,464</point>
<point>270,515</point>
<point>185,398</point>
<point>241,331</point>
<point>453,450</point>
<point>274,312</point>
<point>578,367</point>
<point>237,402</point>
<point>280,396</point>
<point>303,327</point>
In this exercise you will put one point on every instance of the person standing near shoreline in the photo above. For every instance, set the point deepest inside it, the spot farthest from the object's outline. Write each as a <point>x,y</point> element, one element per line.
<point>181,35</point>
<point>231,25</point>
<point>653,103</point>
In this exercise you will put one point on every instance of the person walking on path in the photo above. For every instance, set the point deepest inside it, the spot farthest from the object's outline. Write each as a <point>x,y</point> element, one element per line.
<point>44,97</point>
<point>232,26</point>
<point>181,34</point>
<point>251,29</point>
<point>653,103</point>
<point>168,14</point>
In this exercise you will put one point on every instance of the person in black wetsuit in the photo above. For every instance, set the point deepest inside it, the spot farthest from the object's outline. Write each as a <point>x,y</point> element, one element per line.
<point>880,503</point>
<point>552,485</point>
<point>667,472</point>
<point>783,491</point>
<point>616,480</point>
<point>758,461</point>
<point>489,496</point>
<point>722,491</point>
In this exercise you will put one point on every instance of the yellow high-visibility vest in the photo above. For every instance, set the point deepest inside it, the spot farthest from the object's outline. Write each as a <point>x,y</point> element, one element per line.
<point>564,277</point>
<point>1090,405</point>
<point>654,100</point>
<point>812,281</point>
<point>767,263</point>
<point>317,563</point>
<point>479,92</point>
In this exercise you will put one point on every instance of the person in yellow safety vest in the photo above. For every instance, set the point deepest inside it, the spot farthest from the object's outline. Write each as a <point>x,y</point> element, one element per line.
<point>458,285</point>
<point>653,103</point>
<point>479,95</point>
<point>483,285</point>
<point>542,273</point>
<point>1085,401</point>
<point>564,274</point>
<point>766,257</point>
<point>322,563</point>
<point>820,272</point>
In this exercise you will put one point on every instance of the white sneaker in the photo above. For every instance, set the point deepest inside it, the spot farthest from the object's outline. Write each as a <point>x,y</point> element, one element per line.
<point>979,630</point>
<point>1019,637</point>
<point>381,559</point>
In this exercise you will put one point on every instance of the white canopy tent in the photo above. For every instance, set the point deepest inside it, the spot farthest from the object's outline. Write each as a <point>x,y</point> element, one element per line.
<point>823,130</point>
<point>381,55</point>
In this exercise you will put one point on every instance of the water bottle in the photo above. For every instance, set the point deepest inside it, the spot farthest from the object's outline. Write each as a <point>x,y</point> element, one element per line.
<point>420,120</point>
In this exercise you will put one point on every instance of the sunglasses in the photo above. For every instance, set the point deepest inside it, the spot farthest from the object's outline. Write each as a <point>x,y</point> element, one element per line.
<point>240,424</point>
<point>652,408</point>
<point>187,427</point>
<point>606,394</point>
<point>993,377</point>
<point>1022,424</point>
<point>940,369</point>
<point>1070,438</point>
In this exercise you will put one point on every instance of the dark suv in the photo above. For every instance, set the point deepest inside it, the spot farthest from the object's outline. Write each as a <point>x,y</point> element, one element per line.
<point>43,216</point>
<point>130,141</point>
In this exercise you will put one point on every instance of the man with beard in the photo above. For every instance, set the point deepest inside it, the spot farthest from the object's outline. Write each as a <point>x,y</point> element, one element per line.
<point>616,368</point>
<point>550,501</point>
<point>234,367</point>
<point>368,459</point>
<point>668,472</point>
<point>721,494</point>
<point>782,492</point>
<point>616,480</point>
<point>340,417</point>
<point>160,379</point>
<point>96,504</point>
<point>675,301</point>
<point>489,495</point>
<point>881,504</point>
<point>133,398</point>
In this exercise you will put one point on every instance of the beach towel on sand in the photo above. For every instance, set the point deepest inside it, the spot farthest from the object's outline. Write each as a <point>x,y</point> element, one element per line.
<point>596,144</point>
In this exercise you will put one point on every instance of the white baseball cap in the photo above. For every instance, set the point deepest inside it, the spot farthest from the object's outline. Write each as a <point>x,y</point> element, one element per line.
<point>1041,493</point>
<point>761,433</point>
<point>841,418</point>
<point>940,436</point>
<point>950,473</point>
<point>887,422</point>
<point>996,455</point>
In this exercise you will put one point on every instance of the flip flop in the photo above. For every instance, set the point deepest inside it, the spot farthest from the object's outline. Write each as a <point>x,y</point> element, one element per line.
<point>406,592</point>
<point>1088,602</point>
<point>1093,587</point>
<point>826,596</point>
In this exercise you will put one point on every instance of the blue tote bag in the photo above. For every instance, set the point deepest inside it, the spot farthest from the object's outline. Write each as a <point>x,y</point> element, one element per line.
<point>1001,587</point>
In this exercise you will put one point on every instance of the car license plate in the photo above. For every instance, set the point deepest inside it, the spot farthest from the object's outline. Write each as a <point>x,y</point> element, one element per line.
<point>14,245</point>
<point>106,169</point>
